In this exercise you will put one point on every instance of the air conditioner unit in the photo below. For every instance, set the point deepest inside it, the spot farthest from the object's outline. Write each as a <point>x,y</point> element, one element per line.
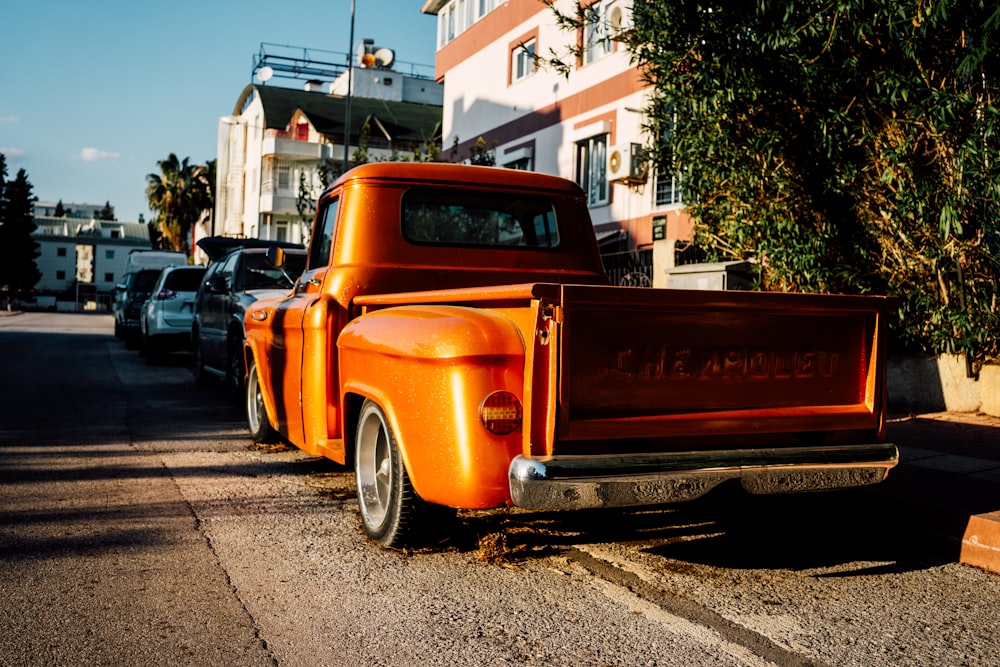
<point>625,164</point>
<point>619,18</point>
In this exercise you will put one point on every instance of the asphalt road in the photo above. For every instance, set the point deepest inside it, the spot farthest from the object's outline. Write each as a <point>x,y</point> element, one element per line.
<point>138,526</point>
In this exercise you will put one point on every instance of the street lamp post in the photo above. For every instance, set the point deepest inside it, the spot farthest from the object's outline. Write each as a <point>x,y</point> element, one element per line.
<point>347,106</point>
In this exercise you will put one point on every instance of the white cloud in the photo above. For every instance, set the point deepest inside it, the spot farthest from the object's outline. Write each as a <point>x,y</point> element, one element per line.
<point>11,153</point>
<point>96,154</point>
<point>9,119</point>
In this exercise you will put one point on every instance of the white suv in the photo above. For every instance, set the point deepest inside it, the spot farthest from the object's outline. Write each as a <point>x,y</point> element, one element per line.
<point>165,319</point>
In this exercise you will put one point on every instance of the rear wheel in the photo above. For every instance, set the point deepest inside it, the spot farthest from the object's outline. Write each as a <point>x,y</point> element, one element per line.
<point>198,366</point>
<point>391,511</point>
<point>261,430</point>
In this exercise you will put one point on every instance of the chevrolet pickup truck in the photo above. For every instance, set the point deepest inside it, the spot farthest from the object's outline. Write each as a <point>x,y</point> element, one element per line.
<point>455,339</point>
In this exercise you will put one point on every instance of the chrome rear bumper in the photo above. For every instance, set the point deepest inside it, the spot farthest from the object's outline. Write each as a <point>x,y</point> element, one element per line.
<point>578,482</point>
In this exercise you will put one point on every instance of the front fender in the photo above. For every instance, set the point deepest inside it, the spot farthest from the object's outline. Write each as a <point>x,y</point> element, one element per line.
<point>430,368</point>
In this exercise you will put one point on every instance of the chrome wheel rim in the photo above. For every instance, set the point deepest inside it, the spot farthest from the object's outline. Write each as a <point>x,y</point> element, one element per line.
<point>374,467</point>
<point>255,402</point>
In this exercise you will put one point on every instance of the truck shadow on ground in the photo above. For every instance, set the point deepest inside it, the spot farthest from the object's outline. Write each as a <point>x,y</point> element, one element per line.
<point>850,532</point>
<point>726,529</point>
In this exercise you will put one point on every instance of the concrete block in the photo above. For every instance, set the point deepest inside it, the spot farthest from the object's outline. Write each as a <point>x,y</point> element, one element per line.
<point>981,542</point>
<point>989,390</point>
<point>961,393</point>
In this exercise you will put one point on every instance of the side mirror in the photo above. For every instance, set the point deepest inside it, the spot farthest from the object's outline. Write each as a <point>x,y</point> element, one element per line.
<point>120,287</point>
<point>217,284</point>
<point>275,256</point>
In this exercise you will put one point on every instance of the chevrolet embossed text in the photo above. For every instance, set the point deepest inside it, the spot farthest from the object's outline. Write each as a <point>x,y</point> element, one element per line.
<point>725,363</point>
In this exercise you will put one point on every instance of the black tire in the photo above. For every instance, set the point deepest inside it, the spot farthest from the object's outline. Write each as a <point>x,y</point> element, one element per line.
<point>261,430</point>
<point>234,370</point>
<point>201,378</point>
<point>131,337</point>
<point>150,349</point>
<point>391,511</point>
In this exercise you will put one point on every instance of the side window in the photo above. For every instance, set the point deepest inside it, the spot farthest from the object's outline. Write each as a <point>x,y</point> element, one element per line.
<point>212,270</point>
<point>228,268</point>
<point>522,59</point>
<point>323,235</point>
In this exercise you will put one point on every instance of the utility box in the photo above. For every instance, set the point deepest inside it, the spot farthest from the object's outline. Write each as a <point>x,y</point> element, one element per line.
<point>733,275</point>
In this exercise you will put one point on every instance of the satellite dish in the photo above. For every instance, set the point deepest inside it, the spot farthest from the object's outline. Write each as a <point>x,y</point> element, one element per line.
<point>265,73</point>
<point>384,57</point>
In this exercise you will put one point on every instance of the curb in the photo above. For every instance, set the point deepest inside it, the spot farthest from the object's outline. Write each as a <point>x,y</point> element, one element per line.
<point>981,542</point>
<point>947,484</point>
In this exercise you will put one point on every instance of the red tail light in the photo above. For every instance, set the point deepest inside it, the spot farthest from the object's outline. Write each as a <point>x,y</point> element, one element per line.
<point>501,413</point>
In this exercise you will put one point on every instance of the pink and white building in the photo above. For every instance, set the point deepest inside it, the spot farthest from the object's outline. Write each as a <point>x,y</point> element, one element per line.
<point>582,126</point>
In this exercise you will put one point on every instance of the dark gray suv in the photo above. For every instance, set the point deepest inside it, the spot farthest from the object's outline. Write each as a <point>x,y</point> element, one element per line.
<point>234,281</point>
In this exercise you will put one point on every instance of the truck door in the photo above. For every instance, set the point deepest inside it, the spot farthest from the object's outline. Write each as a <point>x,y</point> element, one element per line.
<point>302,351</point>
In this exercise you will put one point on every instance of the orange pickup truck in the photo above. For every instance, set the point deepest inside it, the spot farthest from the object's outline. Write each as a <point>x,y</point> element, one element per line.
<point>454,336</point>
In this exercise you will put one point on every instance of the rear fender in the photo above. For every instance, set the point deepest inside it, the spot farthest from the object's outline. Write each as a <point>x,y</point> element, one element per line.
<point>430,368</point>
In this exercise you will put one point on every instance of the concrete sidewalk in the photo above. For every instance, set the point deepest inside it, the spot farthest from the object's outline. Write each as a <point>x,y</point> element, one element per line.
<point>948,479</point>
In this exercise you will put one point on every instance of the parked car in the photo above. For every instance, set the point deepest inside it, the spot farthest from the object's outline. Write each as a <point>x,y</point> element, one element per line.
<point>166,316</point>
<point>232,283</point>
<point>132,290</point>
<point>135,289</point>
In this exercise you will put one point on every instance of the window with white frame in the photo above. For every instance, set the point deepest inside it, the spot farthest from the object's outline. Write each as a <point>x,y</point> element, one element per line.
<point>523,60</point>
<point>459,15</point>
<point>667,190</point>
<point>284,176</point>
<point>520,164</point>
<point>281,230</point>
<point>666,181</point>
<point>596,34</point>
<point>591,168</point>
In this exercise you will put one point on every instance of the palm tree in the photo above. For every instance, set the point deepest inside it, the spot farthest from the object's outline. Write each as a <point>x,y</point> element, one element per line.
<point>204,191</point>
<point>178,195</point>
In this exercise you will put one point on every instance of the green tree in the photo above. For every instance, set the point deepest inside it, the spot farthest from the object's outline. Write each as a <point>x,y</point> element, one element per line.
<point>179,195</point>
<point>480,153</point>
<point>203,195</point>
<point>18,249</point>
<point>846,145</point>
<point>311,186</point>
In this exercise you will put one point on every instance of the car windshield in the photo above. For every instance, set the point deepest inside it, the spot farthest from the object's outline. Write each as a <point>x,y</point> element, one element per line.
<point>258,274</point>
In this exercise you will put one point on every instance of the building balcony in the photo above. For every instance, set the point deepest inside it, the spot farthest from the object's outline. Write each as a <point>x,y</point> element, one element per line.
<point>292,149</point>
<point>278,204</point>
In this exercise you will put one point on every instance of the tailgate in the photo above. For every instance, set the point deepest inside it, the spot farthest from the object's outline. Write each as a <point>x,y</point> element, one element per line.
<point>642,363</point>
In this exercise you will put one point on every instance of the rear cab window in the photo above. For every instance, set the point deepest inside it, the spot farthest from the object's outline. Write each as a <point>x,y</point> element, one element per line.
<point>184,280</point>
<point>434,216</point>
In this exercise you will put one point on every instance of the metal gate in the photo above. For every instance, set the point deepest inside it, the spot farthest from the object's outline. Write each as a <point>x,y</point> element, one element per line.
<point>632,268</point>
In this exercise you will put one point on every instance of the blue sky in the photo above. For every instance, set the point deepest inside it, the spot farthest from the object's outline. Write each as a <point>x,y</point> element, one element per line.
<point>94,92</point>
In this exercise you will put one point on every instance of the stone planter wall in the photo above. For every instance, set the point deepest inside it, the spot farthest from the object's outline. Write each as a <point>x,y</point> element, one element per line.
<point>939,384</point>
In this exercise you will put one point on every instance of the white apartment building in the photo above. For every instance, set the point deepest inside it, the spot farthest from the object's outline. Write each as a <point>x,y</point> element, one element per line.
<point>82,260</point>
<point>582,126</point>
<point>277,138</point>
